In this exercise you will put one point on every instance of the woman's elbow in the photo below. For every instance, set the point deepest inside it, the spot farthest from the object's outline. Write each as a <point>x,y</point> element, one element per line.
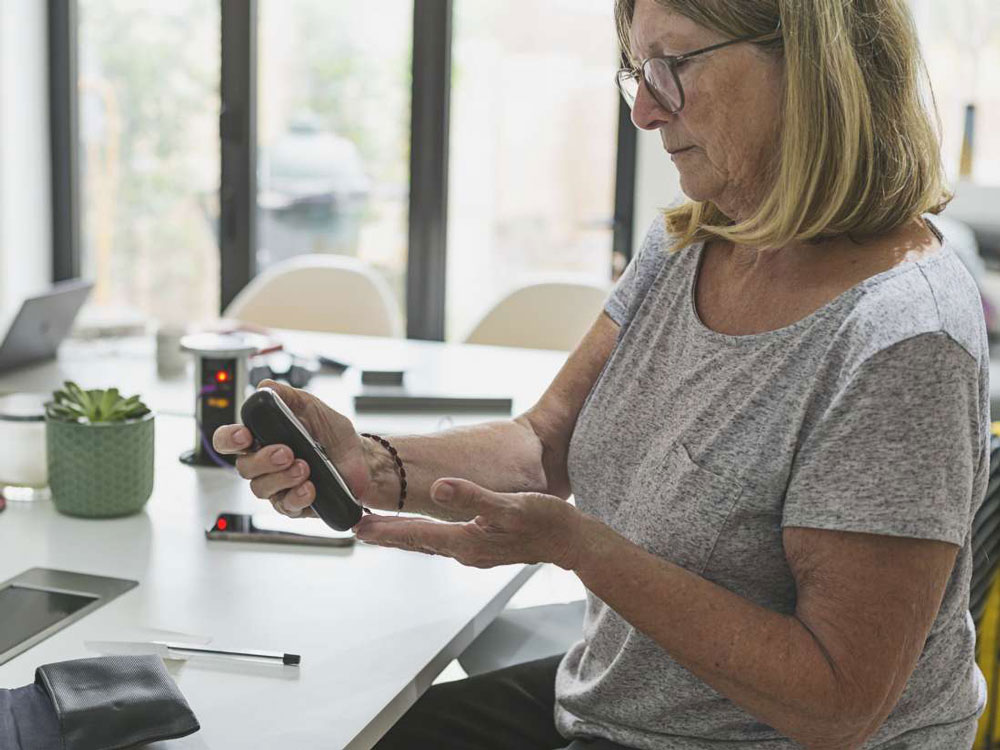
<point>846,726</point>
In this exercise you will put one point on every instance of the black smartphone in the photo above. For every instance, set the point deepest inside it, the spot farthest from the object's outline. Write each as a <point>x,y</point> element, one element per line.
<point>240,527</point>
<point>271,421</point>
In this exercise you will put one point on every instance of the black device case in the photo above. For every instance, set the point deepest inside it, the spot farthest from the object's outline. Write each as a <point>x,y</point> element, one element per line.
<point>102,703</point>
<point>263,415</point>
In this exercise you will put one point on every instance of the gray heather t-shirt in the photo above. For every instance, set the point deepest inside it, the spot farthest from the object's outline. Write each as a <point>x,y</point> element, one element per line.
<point>869,415</point>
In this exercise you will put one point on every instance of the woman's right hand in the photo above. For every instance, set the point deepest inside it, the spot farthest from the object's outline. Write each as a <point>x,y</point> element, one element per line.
<point>276,475</point>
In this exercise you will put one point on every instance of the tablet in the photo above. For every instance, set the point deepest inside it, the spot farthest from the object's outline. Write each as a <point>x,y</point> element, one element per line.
<point>40,602</point>
<point>26,611</point>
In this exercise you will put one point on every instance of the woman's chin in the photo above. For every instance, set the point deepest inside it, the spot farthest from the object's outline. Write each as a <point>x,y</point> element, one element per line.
<point>695,186</point>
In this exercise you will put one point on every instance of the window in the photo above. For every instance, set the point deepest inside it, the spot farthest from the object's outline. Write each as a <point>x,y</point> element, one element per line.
<point>333,124</point>
<point>534,117</point>
<point>961,44</point>
<point>531,152</point>
<point>148,92</point>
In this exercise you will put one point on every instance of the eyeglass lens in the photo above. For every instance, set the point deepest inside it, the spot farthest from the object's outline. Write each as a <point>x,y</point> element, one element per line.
<point>660,80</point>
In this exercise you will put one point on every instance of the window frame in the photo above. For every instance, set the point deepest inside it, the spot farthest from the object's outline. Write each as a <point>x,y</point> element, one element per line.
<point>63,54</point>
<point>426,270</point>
<point>238,148</point>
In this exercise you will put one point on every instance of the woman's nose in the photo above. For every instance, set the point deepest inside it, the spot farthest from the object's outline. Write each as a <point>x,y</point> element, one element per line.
<point>647,113</point>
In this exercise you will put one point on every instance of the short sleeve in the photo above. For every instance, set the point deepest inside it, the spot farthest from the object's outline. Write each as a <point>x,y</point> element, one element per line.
<point>899,450</point>
<point>638,275</point>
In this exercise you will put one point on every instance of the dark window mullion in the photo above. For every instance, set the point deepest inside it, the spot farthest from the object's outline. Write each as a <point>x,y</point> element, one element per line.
<point>428,229</point>
<point>624,186</point>
<point>64,133</point>
<point>238,142</point>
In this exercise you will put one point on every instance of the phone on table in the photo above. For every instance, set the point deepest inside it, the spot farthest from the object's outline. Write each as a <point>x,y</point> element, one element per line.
<point>271,421</point>
<point>242,527</point>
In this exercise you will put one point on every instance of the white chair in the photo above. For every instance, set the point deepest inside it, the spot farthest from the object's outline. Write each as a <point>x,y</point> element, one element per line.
<point>546,315</point>
<point>328,293</point>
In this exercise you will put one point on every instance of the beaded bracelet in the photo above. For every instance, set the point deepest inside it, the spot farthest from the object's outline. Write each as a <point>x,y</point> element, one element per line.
<point>400,470</point>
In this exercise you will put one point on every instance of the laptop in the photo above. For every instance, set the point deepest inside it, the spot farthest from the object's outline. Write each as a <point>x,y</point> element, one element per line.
<point>42,323</point>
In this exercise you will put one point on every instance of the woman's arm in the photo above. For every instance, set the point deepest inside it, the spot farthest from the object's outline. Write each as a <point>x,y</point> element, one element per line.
<point>826,676</point>
<point>521,454</point>
<point>524,454</point>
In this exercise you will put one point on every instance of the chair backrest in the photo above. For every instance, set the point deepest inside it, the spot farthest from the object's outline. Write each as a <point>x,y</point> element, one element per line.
<point>547,315</point>
<point>986,538</point>
<point>329,293</point>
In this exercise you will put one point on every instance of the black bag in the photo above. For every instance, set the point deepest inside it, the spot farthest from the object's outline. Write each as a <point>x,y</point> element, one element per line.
<point>104,703</point>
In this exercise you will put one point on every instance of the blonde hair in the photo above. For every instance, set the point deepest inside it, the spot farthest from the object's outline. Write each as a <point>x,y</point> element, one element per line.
<point>859,155</point>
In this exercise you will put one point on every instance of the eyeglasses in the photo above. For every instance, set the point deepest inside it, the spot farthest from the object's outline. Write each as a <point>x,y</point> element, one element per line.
<point>660,74</point>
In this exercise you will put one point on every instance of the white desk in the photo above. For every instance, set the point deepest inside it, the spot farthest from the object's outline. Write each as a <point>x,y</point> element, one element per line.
<point>374,626</point>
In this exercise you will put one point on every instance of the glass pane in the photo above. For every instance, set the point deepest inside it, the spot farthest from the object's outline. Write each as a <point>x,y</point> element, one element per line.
<point>534,114</point>
<point>961,44</point>
<point>149,155</point>
<point>333,132</point>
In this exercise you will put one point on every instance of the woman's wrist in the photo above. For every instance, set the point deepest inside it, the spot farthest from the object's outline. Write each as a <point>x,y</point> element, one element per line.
<point>568,542</point>
<point>589,542</point>
<point>384,486</point>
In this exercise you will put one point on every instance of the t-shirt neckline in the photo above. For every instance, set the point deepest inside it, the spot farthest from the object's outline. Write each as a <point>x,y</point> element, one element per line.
<point>764,336</point>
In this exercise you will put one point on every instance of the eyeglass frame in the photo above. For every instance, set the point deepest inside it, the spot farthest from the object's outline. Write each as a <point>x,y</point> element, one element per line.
<point>674,60</point>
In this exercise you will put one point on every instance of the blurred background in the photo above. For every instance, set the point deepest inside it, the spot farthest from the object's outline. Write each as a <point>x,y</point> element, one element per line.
<point>173,151</point>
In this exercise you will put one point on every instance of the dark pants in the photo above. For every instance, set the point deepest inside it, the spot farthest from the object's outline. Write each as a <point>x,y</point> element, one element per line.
<point>510,709</point>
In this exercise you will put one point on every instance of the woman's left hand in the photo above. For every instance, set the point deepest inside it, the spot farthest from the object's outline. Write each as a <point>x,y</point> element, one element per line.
<point>522,527</point>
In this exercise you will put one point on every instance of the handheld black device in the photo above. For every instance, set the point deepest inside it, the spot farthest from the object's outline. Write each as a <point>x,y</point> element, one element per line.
<point>271,421</point>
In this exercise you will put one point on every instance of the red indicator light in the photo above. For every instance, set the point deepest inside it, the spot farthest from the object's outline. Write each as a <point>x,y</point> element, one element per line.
<point>222,376</point>
<point>221,524</point>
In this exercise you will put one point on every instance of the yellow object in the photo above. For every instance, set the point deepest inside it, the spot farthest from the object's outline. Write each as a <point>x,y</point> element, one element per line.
<point>987,656</point>
<point>968,144</point>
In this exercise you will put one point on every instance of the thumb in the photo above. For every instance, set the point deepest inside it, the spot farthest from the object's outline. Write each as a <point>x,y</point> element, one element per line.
<point>463,497</point>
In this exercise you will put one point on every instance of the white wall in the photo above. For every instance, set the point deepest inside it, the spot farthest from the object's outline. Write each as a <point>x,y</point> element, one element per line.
<point>25,196</point>
<point>656,184</point>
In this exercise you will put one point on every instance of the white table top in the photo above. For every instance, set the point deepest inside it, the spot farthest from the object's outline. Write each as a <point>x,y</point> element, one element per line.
<point>374,626</point>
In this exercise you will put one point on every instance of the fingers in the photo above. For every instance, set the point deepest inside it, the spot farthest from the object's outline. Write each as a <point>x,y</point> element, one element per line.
<point>282,503</point>
<point>460,541</point>
<point>274,472</point>
<point>273,482</point>
<point>462,498</point>
<point>416,534</point>
<point>297,499</point>
<point>268,460</point>
<point>231,438</point>
<point>278,504</point>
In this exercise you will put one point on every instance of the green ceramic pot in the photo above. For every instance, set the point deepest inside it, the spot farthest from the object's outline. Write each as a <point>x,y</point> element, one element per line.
<point>100,470</point>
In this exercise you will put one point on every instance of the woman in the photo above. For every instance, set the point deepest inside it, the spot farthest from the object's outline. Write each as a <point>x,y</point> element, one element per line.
<point>776,434</point>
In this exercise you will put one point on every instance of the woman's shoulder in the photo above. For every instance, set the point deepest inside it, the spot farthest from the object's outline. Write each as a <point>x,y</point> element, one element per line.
<point>654,257</point>
<point>657,248</point>
<point>933,294</point>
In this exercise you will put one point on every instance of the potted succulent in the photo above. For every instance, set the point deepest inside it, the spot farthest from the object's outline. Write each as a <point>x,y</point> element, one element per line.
<point>99,449</point>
